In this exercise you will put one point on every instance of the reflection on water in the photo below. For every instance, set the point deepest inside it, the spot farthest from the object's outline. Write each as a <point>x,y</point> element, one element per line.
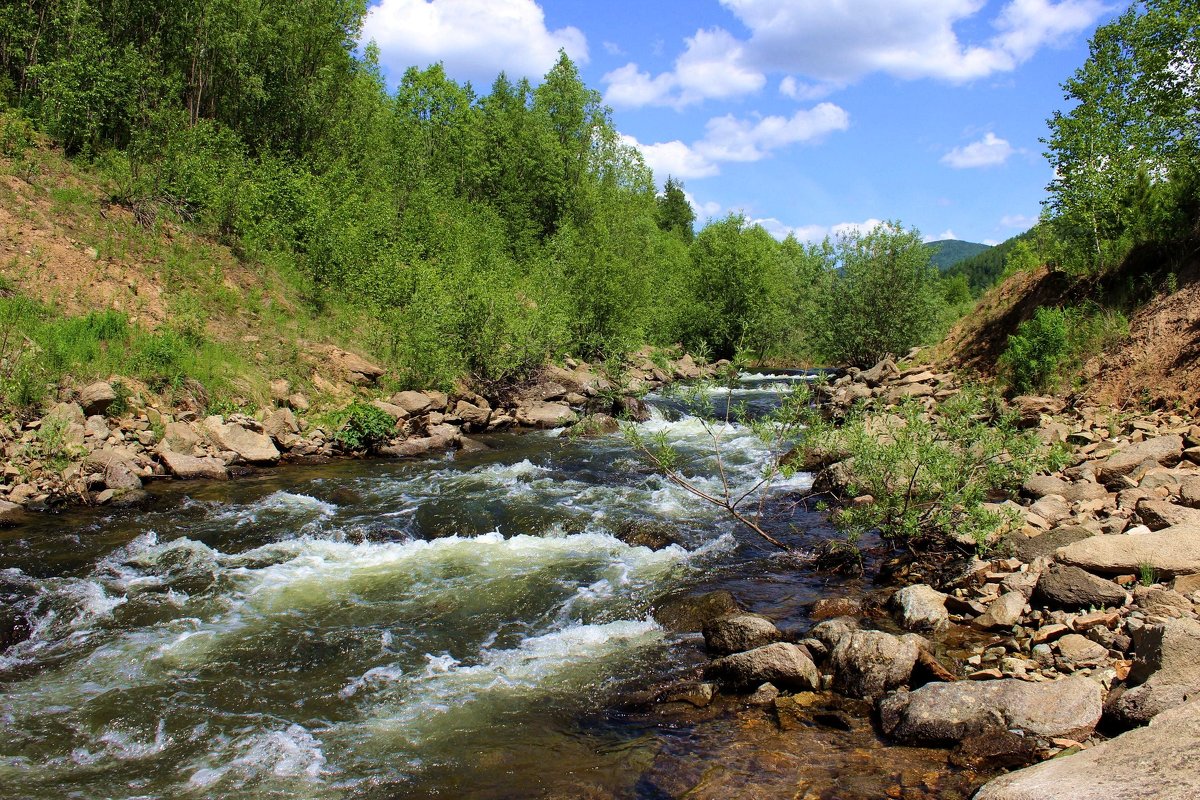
<point>460,627</point>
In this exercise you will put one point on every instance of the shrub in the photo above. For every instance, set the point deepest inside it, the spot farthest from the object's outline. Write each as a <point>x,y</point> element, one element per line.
<point>362,426</point>
<point>1049,347</point>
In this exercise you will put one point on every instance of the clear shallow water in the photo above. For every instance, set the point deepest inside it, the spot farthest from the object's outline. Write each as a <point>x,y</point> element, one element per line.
<point>467,626</point>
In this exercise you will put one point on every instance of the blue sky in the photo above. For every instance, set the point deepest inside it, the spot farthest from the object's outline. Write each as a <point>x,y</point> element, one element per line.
<point>809,116</point>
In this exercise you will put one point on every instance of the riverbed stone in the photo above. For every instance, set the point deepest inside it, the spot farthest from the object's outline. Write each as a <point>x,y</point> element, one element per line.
<point>739,632</point>
<point>866,664</point>
<point>786,665</point>
<point>1159,514</point>
<point>541,414</point>
<point>254,448</point>
<point>412,402</point>
<point>1162,450</point>
<point>1165,671</point>
<point>920,607</point>
<point>1170,551</point>
<point>118,468</point>
<point>1040,486</point>
<point>1189,491</point>
<point>180,437</point>
<point>11,514</point>
<point>1071,588</point>
<point>1080,650</point>
<point>190,468</point>
<point>944,713</point>
<point>689,613</point>
<point>1003,612</point>
<point>1029,548</point>
<point>650,533</point>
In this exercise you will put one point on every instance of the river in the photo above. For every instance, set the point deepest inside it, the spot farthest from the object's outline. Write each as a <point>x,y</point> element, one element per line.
<point>464,626</point>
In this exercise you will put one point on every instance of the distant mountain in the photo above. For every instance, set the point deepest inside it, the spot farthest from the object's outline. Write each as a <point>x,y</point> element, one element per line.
<point>946,253</point>
<point>984,269</point>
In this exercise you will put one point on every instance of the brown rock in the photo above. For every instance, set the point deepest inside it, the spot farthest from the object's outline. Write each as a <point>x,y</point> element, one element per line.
<point>1159,514</point>
<point>1163,450</point>
<point>189,468</point>
<point>97,397</point>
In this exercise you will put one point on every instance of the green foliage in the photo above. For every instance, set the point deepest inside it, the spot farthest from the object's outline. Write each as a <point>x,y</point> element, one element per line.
<point>1049,347</point>
<point>931,475</point>
<point>51,443</point>
<point>946,253</point>
<point>675,214</point>
<point>362,426</point>
<point>1147,574</point>
<point>884,299</point>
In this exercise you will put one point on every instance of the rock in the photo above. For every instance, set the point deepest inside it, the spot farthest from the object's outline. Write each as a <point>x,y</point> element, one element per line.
<point>1032,407</point>
<point>70,412</point>
<point>921,608</point>
<point>540,414</point>
<point>647,533</point>
<point>254,448</point>
<point>696,693</point>
<point>739,632</point>
<point>1003,612</point>
<point>1165,672</point>
<point>545,390</point>
<point>418,446</point>
<point>97,428</point>
<point>868,663</point>
<point>943,713</point>
<point>597,424</point>
<point>118,467</point>
<point>190,468</point>
<point>1163,450</point>
<point>690,613</point>
<point>97,397</point>
<point>1189,491</point>
<point>886,368</point>
<point>180,437</point>
<point>298,402</point>
<point>898,393</point>
<point>1186,584</point>
<point>1023,582</point>
<point>633,409</point>
<point>1170,551</point>
<point>764,695</point>
<point>472,414</point>
<point>280,389</point>
<point>1081,651</point>
<point>1159,514</point>
<point>832,631</point>
<point>11,514</point>
<point>282,427</point>
<point>413,402</point>
<point>1053,508</point>
<point>1071,588</point>
<point>1029,549</point>
<point>1164,602</point>
<point>391,409</point>
<point>1155,763</point>
<point>996,750</point>
<point>1048,633</point>
<point>788,666</point>
<point>1044,485</point>
<point>830,607</point>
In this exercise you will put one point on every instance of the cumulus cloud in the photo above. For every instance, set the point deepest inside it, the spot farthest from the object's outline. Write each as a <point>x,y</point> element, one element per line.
<point>730,139</point>
<point>946,234</point>
<point>712,66</point>
<point>990,151</point>
<point>1018,221</point>
<point>837,42</point>
<point>815,233</point>
<point>475,39</point>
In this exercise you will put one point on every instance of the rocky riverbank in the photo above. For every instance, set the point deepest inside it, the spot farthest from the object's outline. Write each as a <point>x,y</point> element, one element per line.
<point>102,443</point>
<point>1079,623</point>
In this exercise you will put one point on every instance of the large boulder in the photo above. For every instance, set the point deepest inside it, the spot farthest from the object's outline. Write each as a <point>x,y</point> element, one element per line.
<point>788,666</point>
<point>921,608</point>
<point>690,613</point>
<point>180,437</point>
<point>866,664</point>
<point>254,448</point>
<point>1159,514</point>
<point>1163,450</point>
<point>1170,551</point>
<point>283,428</point>
<point>653,534</point>
<point>1072,587</point>
<point>118,468</point>
<point>413,402</point>
<point>944,713</point>
<point>882,371</point>
<point>191,468</point>
<point>738,633</point>
<point>1165,671</point>
<point>1153,763</point>
<point>540,414</point>
<point>1028,549</point>
<point>97,397</point>
<point>1040,486</point>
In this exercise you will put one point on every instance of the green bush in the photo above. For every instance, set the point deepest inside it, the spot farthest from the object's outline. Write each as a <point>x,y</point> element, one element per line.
<point>362,426</point>
<point>1051,346</point>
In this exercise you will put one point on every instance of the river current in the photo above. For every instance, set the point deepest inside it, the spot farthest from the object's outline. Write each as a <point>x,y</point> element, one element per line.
<point>464,626</point>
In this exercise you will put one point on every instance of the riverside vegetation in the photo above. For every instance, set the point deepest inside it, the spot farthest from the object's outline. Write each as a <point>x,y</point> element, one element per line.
<point>504,261</point>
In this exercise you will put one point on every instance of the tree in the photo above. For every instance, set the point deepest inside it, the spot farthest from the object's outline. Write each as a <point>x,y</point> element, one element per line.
<point>675,214</point>
<point>885,296</point>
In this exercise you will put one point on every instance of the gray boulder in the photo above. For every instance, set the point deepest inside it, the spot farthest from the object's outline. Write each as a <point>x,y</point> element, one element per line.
<point>866,664</point>
<point>97,397</point>
<point>254,448</point>
<point>1003,612</point>
<point>1072,587</point>
<point>1163,450</point>
<point>180,437</point>
<point>1030,548</point>
<point>921,608</point>
<point>541,414</point>
<point>191,468</point>
<point>1153,763</point>
<point>1165,672</point>
<point>788,666</point>
<point>413,402</point>
<point>1044,485</point>
<point>1171,551</point>
<point>1159,514</point>
<point>944,713</point>
<point>118,468</point>
<point>738,633</point>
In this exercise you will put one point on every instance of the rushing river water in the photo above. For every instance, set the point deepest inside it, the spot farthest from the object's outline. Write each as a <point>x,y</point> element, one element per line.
<point>466,626</point>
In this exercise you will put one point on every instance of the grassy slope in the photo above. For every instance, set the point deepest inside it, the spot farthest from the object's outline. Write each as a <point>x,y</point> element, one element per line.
<point>64,245</point>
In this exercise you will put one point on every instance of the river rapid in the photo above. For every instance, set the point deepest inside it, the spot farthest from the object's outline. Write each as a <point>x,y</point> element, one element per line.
<point>465,626</point>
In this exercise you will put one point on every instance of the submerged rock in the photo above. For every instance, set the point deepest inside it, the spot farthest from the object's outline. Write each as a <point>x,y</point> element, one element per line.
<point>690,613</point>
<point>647,533</point>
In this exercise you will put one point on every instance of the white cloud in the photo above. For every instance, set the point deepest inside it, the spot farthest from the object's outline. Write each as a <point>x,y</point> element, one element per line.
<point>1020,221</point>
<point>704,211</point>
<point>946,234</point>
<point>815,233</point>
<point>475,39</point>
<point>612,48</point>
<point>840,41</point>
<point>712,66</point>
<point>990,242</point>
<point>730,139</point>
<point>990,151</point>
